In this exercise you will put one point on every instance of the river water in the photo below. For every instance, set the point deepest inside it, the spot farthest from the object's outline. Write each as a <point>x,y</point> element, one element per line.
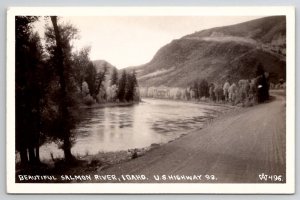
<point>152,121</point>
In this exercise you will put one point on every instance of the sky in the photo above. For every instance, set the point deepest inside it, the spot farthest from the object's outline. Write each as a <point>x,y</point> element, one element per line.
<point>127,41</point>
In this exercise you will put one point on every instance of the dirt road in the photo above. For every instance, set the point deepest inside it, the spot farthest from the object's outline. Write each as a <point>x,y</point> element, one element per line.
<point>235,148</point>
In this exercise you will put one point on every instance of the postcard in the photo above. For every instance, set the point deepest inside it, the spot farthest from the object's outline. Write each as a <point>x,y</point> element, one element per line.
<point>151,100</point>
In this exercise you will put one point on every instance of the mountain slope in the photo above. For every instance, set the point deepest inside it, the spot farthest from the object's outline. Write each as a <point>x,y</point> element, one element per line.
<point>219,54</point>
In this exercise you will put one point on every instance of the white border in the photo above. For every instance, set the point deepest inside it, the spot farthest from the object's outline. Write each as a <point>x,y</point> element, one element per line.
<point>108,188</point>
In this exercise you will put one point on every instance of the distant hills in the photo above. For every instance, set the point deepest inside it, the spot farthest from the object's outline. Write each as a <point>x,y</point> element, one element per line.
<point>219,54</point>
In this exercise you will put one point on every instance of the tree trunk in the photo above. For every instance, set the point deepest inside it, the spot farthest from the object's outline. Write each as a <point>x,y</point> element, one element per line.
<point>37,154</point>
<point>67,147</point>
<point>24,157</point>
<point>63,107</point>
<point>68,155</point>
<point>31,155</point>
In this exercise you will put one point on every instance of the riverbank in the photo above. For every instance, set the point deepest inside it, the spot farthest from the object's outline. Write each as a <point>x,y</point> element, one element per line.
<point>208,102</point>
<point>109,104</point>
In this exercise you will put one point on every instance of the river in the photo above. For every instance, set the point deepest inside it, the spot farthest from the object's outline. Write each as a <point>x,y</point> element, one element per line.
<point>137,126</point>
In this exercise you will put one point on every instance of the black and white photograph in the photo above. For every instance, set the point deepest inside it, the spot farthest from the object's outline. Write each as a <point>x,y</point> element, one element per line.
<point>150,100</point>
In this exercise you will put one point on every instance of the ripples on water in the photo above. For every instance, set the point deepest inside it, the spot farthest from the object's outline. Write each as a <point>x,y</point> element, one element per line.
<point>137,126</point>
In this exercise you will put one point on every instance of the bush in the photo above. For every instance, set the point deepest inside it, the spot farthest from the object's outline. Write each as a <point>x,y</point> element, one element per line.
<point>88,100</point>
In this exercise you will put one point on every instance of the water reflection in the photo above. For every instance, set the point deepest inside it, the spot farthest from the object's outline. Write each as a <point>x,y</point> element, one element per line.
<point>122,128</point>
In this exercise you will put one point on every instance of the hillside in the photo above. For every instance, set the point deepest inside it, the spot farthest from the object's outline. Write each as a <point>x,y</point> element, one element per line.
<point>100,64</point>
<point>219,54</point>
